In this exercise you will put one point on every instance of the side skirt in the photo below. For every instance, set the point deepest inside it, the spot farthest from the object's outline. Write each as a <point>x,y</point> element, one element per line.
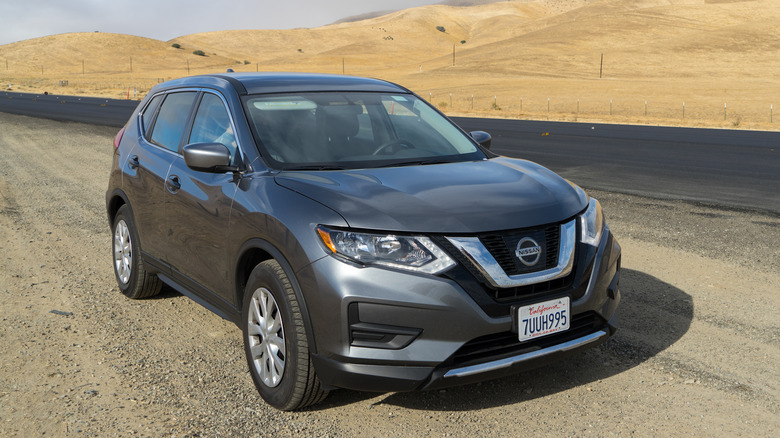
<point>194,291</point>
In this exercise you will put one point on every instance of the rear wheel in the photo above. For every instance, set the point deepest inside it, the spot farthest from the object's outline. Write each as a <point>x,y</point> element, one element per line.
<point>131,275</point>
<point>275,343</point>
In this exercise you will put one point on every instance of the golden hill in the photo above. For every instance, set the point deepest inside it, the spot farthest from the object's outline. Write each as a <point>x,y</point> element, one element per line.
<point>98,52</point>
<point>535,58</point>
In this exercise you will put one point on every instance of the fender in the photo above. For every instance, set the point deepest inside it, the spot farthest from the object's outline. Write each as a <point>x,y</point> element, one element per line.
<point>277,255</point>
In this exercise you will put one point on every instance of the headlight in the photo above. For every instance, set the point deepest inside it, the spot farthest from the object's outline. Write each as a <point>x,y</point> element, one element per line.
<point>418,253</point>
<point>592,222</point>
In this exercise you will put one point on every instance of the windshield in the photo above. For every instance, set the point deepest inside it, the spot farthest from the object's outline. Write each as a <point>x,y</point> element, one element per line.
<point>354,130</point>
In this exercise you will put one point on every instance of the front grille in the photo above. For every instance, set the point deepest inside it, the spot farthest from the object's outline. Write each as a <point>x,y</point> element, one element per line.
<point>507,344</point>
<point>502,247</point>
<point>512,294</point>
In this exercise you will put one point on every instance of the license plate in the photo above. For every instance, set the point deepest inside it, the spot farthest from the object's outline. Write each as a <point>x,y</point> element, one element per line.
<point>542,319</point>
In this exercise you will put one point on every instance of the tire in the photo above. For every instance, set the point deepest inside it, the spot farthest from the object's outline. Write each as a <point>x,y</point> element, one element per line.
<point>275,343</point>
<point>131,276</point>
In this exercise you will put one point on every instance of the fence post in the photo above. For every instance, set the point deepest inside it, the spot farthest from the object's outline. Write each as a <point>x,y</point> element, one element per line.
<point>472,101</point>
<point>645,108</point>
<point>601,66</point>
<point>771,110</point>
<point>724,111</point>
<point>521,104</point>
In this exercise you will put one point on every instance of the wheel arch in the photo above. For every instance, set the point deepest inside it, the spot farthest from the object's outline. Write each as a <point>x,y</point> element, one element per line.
<point>256,251</point>
<point>114,202</point>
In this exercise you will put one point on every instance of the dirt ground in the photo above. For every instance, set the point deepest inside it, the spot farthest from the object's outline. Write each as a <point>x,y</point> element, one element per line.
<point>698,352</point>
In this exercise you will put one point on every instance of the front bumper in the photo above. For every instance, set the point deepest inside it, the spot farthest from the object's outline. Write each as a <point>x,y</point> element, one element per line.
<point>382,330</point>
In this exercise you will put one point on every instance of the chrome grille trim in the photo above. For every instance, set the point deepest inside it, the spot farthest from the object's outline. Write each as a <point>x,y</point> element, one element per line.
<point>476,253</point>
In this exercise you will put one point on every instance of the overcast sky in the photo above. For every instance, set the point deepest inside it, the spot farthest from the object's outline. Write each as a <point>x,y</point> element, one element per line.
<point>167,19</point>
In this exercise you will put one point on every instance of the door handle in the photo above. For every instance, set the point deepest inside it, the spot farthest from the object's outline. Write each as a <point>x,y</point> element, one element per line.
<point>134,163</point>
<point>173,184</point>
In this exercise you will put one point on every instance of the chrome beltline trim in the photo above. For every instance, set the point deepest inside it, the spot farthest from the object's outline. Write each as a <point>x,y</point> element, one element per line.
<point>475,251</point>
<point>510,361</point>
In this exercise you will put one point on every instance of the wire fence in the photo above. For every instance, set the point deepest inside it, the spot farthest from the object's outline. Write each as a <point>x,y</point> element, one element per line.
<point>729,114</point>
<point>701,111</point>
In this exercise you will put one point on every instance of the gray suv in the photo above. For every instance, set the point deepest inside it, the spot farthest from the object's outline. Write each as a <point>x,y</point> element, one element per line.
<point>357,236</point>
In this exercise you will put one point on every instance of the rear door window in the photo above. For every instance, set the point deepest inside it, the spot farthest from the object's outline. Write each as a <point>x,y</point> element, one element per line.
<point>172,119</point>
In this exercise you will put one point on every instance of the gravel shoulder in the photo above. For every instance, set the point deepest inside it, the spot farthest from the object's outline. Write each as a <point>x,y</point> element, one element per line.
<point>698,352</point>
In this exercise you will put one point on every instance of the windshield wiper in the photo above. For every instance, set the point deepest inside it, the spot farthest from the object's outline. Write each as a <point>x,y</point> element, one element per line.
<point>416,163</point>
<point>315,167</point>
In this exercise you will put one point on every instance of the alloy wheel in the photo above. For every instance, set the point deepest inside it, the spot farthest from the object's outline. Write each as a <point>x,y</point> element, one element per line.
<point>266,337</point>
<point>123,252</point>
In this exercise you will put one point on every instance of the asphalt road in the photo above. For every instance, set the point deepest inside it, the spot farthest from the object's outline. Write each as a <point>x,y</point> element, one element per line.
<point>731,168</point>
<point>93,110</point>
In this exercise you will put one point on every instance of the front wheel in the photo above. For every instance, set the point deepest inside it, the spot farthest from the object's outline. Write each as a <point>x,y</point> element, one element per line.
<point>275,343</point>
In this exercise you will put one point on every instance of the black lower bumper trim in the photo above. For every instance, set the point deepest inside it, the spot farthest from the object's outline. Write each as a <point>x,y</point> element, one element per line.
<point>376,378</point>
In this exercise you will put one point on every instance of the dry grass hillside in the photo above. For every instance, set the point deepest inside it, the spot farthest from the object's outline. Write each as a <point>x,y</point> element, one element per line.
<point>690,62</point>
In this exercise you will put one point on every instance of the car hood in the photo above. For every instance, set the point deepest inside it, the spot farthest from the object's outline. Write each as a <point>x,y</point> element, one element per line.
<point>466,197</point>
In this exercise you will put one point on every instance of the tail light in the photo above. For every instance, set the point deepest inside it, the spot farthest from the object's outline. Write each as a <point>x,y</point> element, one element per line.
<point>118,138</point>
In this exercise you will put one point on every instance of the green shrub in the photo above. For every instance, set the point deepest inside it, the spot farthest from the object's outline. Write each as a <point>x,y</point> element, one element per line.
<point>463,41</point>
<point>176,45</point>
<point>441,29</point>
<point>199,53</point>
<point>246,62</point>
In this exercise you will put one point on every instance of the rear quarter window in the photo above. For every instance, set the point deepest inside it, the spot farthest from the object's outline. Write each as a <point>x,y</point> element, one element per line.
<point>147,116</point>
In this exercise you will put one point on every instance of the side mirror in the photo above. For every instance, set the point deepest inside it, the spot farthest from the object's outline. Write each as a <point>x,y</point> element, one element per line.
<point>483,138</point>
<point>208,157</point>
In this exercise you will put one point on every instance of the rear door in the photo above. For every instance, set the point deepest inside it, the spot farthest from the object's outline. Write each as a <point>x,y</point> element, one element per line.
<point>163,123</point>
